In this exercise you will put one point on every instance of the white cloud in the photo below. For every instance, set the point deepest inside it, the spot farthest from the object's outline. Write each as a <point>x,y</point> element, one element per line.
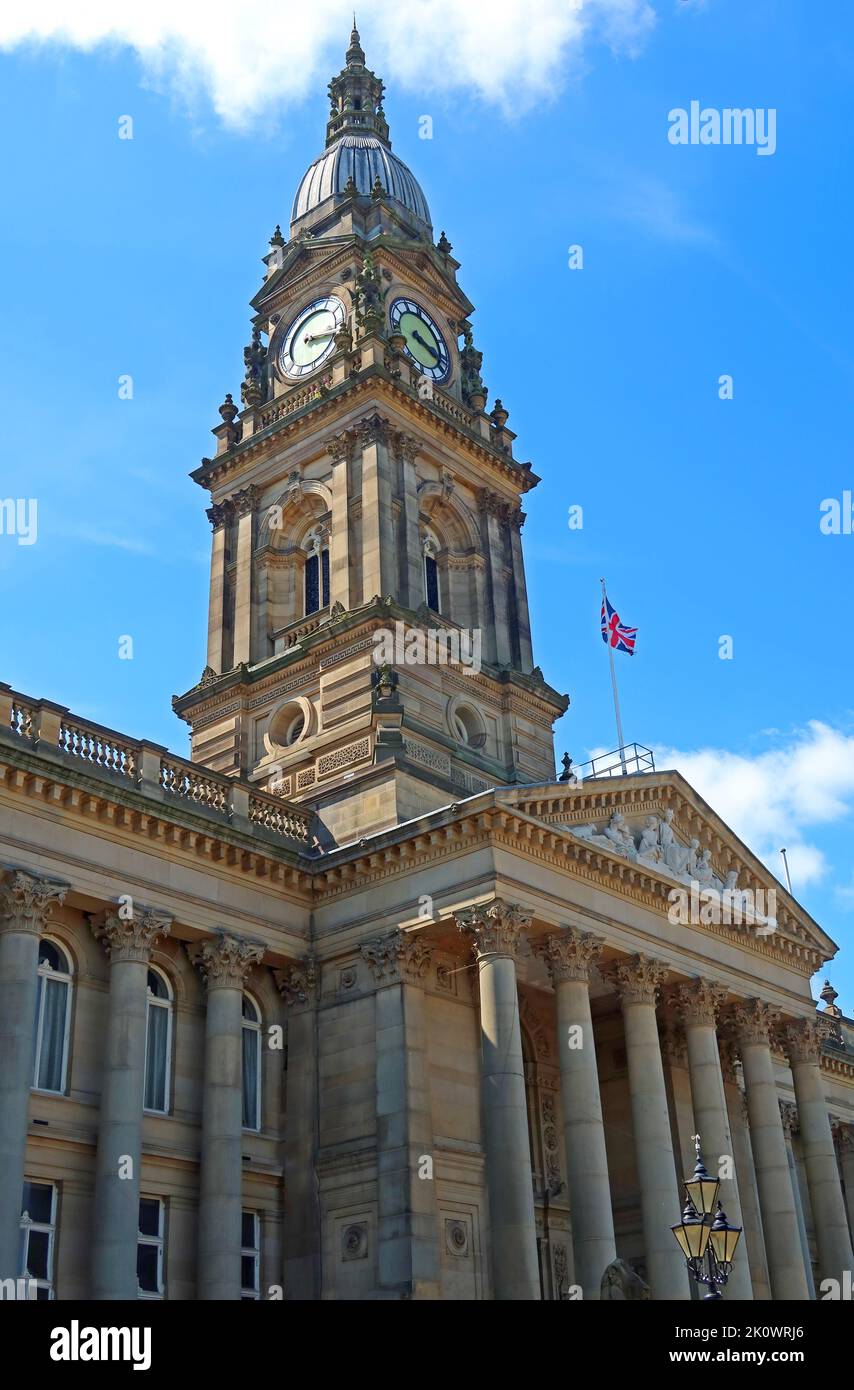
<point>773,799</point>
<point>253,57</point>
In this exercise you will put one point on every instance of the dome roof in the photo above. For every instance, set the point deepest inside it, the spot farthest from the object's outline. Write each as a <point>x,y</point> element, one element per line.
<point>364,158</point>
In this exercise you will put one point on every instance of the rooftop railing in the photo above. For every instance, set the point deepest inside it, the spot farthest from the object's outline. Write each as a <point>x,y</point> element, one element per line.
<point>620,762</point>
<point>150,768</point>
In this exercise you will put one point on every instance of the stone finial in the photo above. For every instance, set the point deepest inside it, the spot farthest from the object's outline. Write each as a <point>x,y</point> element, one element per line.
<point>637,979</point>
<point>225,961</point>
<point>499,416</point>
<point>568,955</point>
<point>297,983</point>
<point>277,239</point>
<point>26,900</point>
<point>496,928</point>
<point>228,410</point>
<point>400,956</point>
<point>699,1001</point>
<point>443,246</point>
<point>830,996</point>
<point>254,387</point>
<point>567,775</point>
<point>131,938</point>
<point>754,1021</point>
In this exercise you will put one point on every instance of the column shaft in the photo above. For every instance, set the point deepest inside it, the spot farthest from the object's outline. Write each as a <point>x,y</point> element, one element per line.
<point>753,1239</point>
<point>216,608</point>
<point>515,1271</point>
<point>24,902</point>
<point>638,981</point>
<point>828,1205</point>
<point>244,504</point>
<point>776,1199</point>
<point>301,1235</point>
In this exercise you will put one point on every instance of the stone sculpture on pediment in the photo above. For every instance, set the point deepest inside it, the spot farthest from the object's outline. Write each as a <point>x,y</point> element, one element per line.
<point>656,844</point>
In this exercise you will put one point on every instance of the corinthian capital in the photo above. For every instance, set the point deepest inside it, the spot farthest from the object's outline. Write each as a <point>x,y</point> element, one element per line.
<point>373,429</point>
<point>803,1039</point>
<point>698,1002</point>
<point>496,928</point>
<point>297,984</point>
<point>638,979</point>
<point>569,955</point>
<point>225,961</point>
<point>789,1117</point>
<point>244,501</point>
<point>131,938</point>
<point>26,900</point>
<point>340,447</point>
<point>400,956</point>
<point>754,1021</point>
<point>404,446</point>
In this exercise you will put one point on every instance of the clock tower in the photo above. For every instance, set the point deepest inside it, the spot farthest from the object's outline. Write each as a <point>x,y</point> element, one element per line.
<point>369,646</point>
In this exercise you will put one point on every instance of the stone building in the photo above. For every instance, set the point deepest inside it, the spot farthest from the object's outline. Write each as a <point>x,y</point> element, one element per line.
<point>361,1002</point>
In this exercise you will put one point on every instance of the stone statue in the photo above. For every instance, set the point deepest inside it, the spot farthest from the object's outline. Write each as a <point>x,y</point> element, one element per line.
<point>648,847</point>
<point>704,872</point>
<point>621,1282</point>
<point>671,850</point>
<point>617,831</point>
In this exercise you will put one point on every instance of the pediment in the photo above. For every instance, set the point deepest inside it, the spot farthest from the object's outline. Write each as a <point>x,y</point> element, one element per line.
<point>657,824</point>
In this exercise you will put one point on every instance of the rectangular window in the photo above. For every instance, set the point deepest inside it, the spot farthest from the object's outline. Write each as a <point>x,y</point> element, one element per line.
<point>250,1258</point>
<point>431,583</point>
<point>312,586</point>
<point>150,1246</point>
<point>38,1233</point>
<point>324,565</point>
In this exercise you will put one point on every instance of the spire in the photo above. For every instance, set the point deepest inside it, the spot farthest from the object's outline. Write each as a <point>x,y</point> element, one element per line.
<point>356,98</point>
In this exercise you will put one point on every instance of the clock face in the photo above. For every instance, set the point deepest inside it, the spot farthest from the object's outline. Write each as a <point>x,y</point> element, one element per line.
<point>424,343</point>
<point>310,338</point>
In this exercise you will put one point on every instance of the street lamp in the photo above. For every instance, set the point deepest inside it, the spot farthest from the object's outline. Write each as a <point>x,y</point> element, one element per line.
<point>705,1237</point>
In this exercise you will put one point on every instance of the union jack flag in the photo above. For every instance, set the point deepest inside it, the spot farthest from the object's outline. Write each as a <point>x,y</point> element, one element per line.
<point>614,633</point>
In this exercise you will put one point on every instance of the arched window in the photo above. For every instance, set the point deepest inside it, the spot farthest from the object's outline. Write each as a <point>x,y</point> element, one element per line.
<point>251,1064</point>
<point>316,574</point>
<point>431,574</point>
<point>53,1016</point>
<point>158,1043</point>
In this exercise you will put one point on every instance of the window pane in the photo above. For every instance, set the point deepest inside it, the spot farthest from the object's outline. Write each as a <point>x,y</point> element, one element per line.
<point>156,1049</point>
<point>312,586</point>
<point>247,1239</point>
<point>37,1254</point>
<point>53,1036</point>
<point>247,1271</point>
<point>324,560</point>
<point>157,985</point>
<point>432,577</point>
<point>38,1201</point>
<point>251,1040</point>
<point>146,1268</point>
<point>149,1216</point>
<point>48,954</point>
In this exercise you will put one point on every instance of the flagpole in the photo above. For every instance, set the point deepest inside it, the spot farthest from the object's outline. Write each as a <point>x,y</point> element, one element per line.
<point>620,743</point>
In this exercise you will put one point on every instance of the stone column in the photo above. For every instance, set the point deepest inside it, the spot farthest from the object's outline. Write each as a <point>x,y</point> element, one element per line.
<point>843,1135</point>
<point>244,509</point>
<point>411,553</point>
<point>378,575</point>
<point>523,620</point>
<point>637,982</point>
<point>225,963</point>
<point>568,958</point>
<point>218,515</point>
<point>800,1191</point>
<point>301,1239</point>
<point>117,1165</point>
<point>804,1039</point>
<point>25,902</point>
<point>408,1213</point>
<point>497,634</point>
<point>340,449</point>
<point>753,1239</point>
<point>496,929</point>
<point>753,1021</point>
<point>698,1003</point>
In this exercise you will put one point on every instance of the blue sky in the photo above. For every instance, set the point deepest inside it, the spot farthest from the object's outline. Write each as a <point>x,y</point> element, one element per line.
<point>139,257</point>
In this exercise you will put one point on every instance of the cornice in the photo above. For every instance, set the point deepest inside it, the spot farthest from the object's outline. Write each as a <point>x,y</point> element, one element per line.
<point>319,413</point>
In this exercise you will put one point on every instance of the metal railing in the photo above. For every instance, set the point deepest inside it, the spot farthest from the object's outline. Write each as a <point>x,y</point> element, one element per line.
<point>620,762</point>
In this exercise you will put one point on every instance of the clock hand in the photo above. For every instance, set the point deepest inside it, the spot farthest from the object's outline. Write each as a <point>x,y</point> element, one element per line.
<point>314,337</point>
<point>424,343</point>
